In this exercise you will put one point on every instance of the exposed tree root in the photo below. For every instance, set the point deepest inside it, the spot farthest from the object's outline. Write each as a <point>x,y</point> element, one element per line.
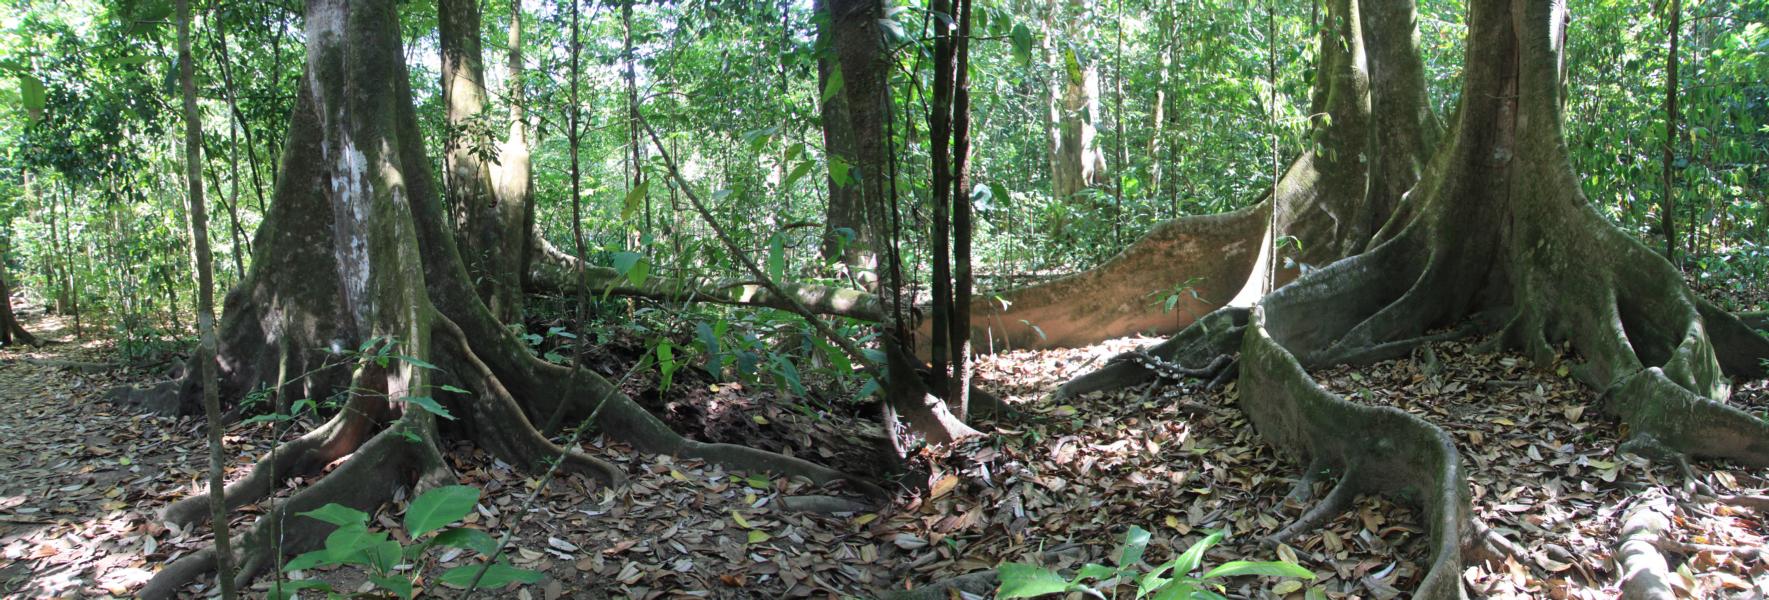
<point>1644,573</point>
<point>301,457</point>
<point>376,471</point>
<point>1391,452</point>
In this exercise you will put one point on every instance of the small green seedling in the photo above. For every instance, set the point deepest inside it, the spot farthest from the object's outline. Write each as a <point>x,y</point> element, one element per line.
<point>1172,580</point>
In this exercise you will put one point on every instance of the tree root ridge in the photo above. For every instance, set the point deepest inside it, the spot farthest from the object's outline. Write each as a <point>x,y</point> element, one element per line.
<point>370,478</point>
<point>1206,342</point>
<point>1660,415</point>
<point>1379,449</point>
<point>1644,572</point>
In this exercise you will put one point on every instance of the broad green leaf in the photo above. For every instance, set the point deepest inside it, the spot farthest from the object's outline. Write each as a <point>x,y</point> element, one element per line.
<point>838,171</point>
<point>468,539</point>
<point>308,560</point>
<point>1022,43</point>
<point>430,405</point>
<point>834,85</point>
<point>284,590</point>
<point>776,257</point>
<point>635,198</point>
<point>438,507</point>
<point>1188,561</point>
<point>1094,571</point>
<point>1135,542</point>
<point>1275,569</point>
<point>1174,590</point>
<point>338,514</point>
<point>32,93</point>
<point>1019,580</point>
<point>497,576</point>
<point>633,265</point>
<point>398,584</point>
<point>798,172</point>
<point>345,542</point>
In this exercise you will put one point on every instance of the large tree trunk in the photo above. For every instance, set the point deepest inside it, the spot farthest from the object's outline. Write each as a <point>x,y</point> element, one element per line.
<point>1495,237</point>
<point>488,180</point>
<point>357,253</point>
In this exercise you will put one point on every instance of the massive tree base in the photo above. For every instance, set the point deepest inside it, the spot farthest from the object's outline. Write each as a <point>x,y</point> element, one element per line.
<point>358,293</point>
<point>1496,238</point>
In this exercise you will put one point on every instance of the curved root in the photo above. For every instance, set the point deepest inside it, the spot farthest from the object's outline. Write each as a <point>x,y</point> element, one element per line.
<point>1381,449</point>
<point>376,471</point>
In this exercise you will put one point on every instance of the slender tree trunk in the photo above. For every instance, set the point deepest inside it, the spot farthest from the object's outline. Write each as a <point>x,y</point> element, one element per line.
<point>958,391</point>
<point>940,150</point>
<point>1668,206</point>
<point>860,47</point>
<point>205,273</point>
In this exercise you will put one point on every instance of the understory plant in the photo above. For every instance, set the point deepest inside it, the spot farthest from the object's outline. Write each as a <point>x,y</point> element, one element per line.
<point>1171,580</point>
<point>395,568</point>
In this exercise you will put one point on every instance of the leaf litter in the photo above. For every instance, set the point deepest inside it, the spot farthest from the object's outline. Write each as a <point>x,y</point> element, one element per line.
<point>1060,485</point>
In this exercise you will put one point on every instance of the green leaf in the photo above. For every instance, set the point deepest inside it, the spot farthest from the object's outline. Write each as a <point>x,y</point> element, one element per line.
<point>1238,568</point>
<point>838,171</point>
<point>383,555</point>
<point>344,542</point>
<point>834,85</point>
<point>635,198</point>
<point>1188,561</point>
<point>439,507</point>
<point>1135,542</point>
<point>497,576</point>
<point>1173,590</point>
<point>32,93</point>
<point>1019,580</point>
<point>798,172</point>
<point>776,257</point>
<point>1022,43</point>
<point>399,585</point>
<point>430,405</point>
<point>308,560</point>
<point>1094,571</point>
<point>338,514</point>
<point>468,539</point>
<point>633,265</point>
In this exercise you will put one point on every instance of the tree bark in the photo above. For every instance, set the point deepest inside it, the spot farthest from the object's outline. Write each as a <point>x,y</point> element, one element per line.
<point>203,263</point>
<point>491,199</point>
<point>1668,205</point>
<point>849,235</point>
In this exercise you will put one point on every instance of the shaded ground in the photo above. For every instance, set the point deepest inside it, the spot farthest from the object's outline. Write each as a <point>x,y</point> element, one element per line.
<point>83,482</point>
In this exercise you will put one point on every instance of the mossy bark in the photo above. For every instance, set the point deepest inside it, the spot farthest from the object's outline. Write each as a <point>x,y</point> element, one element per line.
<point>358,252</point>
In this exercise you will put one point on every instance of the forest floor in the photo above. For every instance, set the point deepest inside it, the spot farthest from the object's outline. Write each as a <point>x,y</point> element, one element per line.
<point>1061,482</point>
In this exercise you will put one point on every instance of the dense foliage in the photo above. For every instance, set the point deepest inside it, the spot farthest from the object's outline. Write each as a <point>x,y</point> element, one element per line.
<point>90,197</point>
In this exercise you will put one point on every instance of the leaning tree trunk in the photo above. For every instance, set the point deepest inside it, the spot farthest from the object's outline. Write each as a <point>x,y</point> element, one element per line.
<point>1367,149</point>
<point>1496,237</point>
<point>357,253</point>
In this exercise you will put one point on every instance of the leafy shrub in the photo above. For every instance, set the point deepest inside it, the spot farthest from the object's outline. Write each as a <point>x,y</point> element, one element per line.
<point>393,567</point>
